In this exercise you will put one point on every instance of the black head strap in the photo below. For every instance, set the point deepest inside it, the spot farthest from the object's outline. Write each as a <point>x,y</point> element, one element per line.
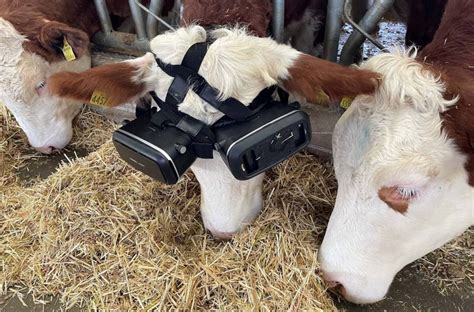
<point>187,75</point>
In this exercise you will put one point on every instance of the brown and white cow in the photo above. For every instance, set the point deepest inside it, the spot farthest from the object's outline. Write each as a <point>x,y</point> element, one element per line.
<point>304,19</point>
<point>32,40</point>
<point>240,66</point>
<point>404,161</point>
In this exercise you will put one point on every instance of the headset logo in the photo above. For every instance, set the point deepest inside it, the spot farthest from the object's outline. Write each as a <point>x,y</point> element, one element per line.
<point>137,162</point>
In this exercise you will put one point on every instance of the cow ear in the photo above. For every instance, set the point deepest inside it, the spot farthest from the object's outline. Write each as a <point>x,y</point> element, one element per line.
<point>107,85</point>
<point>310,77</point>
<point>55,36</point>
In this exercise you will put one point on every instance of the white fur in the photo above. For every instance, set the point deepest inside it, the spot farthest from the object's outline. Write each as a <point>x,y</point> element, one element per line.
<point>393,138</point>
<point>46,120</point>
<point>236,64</point>
<point>240,66</point>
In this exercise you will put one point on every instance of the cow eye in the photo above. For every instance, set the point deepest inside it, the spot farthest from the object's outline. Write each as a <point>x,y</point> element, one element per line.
<point>407,193</point>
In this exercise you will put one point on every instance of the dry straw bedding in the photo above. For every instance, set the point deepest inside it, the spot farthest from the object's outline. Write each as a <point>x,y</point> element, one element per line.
<point>98,233</point>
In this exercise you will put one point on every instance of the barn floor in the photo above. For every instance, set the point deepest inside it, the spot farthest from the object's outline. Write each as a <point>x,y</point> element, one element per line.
<point>412,290</point>
<point>421,295</point>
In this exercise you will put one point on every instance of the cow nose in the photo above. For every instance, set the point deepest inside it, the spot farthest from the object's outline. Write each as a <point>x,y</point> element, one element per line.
<point>222,236</point>
<point>47,149</point>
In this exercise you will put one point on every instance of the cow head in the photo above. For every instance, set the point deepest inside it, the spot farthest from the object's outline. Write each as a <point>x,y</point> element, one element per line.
<point>403,188</point>
<point>239,66</point>
<point>27,61</point>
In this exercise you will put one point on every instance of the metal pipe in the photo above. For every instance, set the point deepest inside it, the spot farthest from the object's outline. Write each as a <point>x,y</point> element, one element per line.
<point>178,11</point>
<point>104,17</point>
<point>150,13</point>
<point>356,26</point>
<point>358,10</point>
<point>333,29</point>
<point>368,25</point>
<point>278,23</point>
<point>151,22</point>
<point>138,20</point>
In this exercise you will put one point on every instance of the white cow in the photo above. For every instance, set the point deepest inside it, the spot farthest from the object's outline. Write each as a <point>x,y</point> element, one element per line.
<point>404,161</point>
<point>38,39</point>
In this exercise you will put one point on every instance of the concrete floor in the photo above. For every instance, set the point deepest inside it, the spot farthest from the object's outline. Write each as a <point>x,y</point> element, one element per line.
<point>411,291</point>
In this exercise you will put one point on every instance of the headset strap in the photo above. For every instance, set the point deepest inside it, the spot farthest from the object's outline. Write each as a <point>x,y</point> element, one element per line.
<point>204,138</point>
<point>187,75</point>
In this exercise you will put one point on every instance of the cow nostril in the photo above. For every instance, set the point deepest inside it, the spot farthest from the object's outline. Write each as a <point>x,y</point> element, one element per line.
<point>48,150</point>
<point>44,150</point>
<point>222,236</point>
<point>333,284</point>
<point>336,287</point>
<point>54,150</point>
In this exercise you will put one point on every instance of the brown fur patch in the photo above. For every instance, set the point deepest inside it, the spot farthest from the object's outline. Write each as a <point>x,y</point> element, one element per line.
<point>255,14</point>
<point>451,53</point>
<point>45,23</point>
<point>388,195</point>
<point>116,81</point>
<point>310,75</point>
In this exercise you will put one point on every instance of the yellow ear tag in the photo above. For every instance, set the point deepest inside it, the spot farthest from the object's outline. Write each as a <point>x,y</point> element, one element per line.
<point>322,98</point>
<point>68,51</point>
<point>100,98</point>
<point>346,102</point>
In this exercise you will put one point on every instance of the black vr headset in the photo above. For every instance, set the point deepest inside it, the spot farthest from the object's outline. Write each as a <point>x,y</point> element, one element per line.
<point>251,139</point>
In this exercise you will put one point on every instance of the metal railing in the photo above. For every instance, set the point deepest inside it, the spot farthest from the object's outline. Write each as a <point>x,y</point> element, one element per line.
<point>147,21</point>
<point>337,9</point>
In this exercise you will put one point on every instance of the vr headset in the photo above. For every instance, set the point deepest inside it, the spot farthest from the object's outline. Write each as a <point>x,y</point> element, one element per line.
<point>251,139</point>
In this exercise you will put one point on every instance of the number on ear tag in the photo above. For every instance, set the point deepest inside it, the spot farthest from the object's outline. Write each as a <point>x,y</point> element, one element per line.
<point>68,51</point>
<point>346,102</point>
<point>100,98</point>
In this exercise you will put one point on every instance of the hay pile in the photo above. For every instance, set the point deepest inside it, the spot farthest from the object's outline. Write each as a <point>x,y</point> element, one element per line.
<point>98,234</point>
<point>98,230</point>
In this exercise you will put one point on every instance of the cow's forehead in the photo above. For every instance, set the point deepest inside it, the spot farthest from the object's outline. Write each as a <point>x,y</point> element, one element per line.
<point>372,145</point>
<point>11,44</point>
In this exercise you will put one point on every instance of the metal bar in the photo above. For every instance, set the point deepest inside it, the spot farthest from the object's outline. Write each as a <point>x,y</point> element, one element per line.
<point>104,16</point>
<point>278,23</point>
<point>138,20</point>
<point>358,10</point>
<point>356,26</point>
<point>178,11</point>
<point>123,41</point>
<point>150,13</point>
<point>367,25</point>
<point>151,22</point>
<point>333,29</point>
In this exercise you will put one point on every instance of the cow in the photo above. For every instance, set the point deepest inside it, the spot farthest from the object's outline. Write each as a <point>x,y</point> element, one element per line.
<point>304,19</point>
<point>37,39</point>
<point>422,18</point>
<point>239,66</point>
<point>404,162</point>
